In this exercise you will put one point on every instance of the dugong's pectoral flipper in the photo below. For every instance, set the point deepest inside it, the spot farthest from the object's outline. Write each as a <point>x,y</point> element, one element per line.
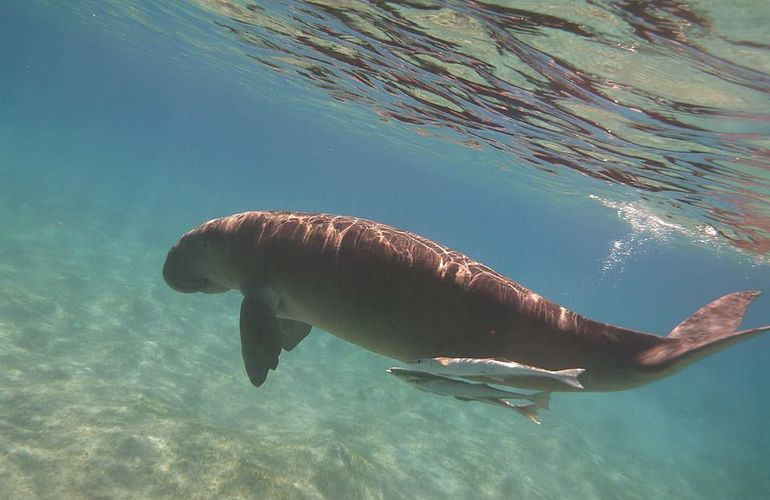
<point>260,339</point>
<point>292,332</point>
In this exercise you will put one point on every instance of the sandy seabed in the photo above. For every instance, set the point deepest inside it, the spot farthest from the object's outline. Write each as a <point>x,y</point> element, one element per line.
<point>114,386</point>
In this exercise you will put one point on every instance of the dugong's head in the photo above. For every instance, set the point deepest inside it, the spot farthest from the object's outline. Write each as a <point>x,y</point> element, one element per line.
<point>199,262</point>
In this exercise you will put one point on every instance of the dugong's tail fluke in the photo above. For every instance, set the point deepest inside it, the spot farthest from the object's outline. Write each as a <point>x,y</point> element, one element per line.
<point>709,330</point>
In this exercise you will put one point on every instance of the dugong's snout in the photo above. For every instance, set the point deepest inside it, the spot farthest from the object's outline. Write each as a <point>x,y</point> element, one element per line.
<point>182,272</point>
<point>179,277</point>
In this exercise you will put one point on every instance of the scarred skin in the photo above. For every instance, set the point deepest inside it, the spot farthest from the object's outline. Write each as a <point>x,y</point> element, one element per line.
<point>406,297</point>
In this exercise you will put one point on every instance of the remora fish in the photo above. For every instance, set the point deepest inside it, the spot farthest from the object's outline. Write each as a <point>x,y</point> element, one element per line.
<point>465,391</point>
<point>493,369</point>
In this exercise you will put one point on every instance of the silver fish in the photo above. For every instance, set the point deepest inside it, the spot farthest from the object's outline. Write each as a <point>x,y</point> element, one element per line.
<point>493,369</point>
<point>470,391</point>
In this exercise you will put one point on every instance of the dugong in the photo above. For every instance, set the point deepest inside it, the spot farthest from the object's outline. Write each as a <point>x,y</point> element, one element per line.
<point>403,296</point>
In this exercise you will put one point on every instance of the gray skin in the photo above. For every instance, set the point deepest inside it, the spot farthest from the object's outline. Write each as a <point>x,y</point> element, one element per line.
<point>406,297</point>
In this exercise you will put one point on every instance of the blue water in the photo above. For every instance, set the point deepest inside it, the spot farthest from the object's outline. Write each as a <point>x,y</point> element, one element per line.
<point>114,141</point>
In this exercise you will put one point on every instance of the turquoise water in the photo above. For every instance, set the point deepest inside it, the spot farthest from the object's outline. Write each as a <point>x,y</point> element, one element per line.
<point>126,124</point>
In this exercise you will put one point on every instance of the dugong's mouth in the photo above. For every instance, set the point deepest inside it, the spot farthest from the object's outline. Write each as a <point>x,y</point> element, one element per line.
<point>182,281</point>
<point>192,284</point>
<point>188,284</point>
<point>190,287</point>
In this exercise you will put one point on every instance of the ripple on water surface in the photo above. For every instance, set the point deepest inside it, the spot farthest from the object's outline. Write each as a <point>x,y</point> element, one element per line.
<point>666,100</point>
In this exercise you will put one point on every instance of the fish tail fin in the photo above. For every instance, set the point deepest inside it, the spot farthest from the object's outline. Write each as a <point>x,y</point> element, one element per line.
<point>711,329</point>
<point>529,411</point>
<point>541,399</point>
<point>571,377</point>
